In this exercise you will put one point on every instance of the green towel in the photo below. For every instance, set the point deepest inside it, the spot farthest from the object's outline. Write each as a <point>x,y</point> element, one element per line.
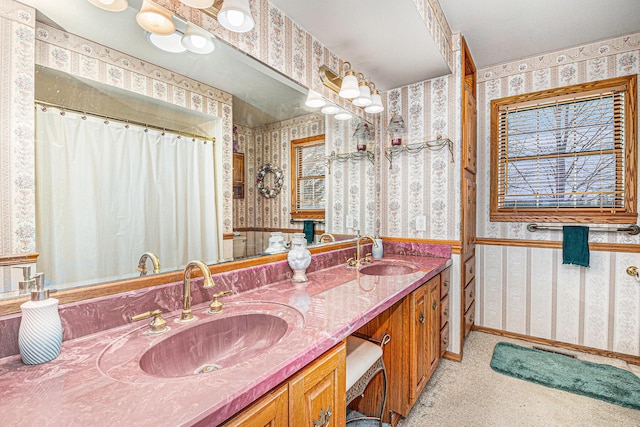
<point>575,245</point>
<point>308,230</point>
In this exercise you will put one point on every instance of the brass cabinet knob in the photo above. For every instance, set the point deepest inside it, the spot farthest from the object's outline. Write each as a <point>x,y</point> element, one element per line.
<point>435,305</point>
<point>633,271</point>
<point>421,318</point>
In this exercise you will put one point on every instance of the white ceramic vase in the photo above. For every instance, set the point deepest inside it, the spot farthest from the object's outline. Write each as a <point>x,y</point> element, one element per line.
<point>40,334</point>
<point>299,257</point>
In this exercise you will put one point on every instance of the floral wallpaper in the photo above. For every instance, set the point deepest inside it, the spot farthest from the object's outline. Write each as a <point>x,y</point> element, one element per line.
<point>270,144</point>
<point>17,197</point>
<point>528,290</point>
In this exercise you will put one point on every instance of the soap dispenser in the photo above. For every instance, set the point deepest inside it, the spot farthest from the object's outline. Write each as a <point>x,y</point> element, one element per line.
<point>27,284</point>
<point>378,251</point>
<point>40,335</point>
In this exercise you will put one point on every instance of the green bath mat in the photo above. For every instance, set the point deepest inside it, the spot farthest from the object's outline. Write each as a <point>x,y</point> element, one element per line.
<point>604,382</point>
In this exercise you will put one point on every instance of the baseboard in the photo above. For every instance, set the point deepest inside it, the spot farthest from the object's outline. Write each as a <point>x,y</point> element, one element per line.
<point>635,360</point>
<point>452,356</point>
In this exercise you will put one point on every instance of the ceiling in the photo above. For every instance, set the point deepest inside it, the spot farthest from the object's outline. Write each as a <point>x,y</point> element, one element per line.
<point>500,31</point>
<point>390,43</point>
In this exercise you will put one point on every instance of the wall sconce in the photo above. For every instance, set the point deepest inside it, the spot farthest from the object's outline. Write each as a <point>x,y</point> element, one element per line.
<point>396,129</point>
<point>330,109</point>
<point>155,19</point>
<point>235,15</point>
<point>197,41</point>
<point>362,135</point>
<point>376,101</point>
<point>362,94</point>
<point>198,4</point>
<point>314,100</point>
<point>343,115</point>
<point>111,5</point>
<point>349,88</point>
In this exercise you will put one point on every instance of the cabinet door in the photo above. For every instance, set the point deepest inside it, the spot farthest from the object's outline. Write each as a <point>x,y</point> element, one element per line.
<point>270,411</point>
<point>238,168</point>
<point>469,214</point>
<point>469,123</point>
<point>418,344</point>
<point>433,325</point>
<point>317,395</point>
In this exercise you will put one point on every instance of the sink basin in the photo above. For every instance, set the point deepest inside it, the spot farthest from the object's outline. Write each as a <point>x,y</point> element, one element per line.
<point>244,334</point>
<point>213,345</point>
<point>388,269</point>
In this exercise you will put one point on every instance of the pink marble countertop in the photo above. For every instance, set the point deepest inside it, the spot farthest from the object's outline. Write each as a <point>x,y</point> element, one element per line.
<point>87,384</point>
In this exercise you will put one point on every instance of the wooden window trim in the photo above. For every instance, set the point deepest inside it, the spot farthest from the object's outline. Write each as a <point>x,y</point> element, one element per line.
<point>578,215</point>
<point>306,213</point>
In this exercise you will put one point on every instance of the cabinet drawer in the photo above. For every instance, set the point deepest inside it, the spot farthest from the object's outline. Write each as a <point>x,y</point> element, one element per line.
<point>469,294</point>
<point>444,311</point>
<point>445,279</point>
<point>469,318</point>
<point>469,269</point>
<point>444,339</point>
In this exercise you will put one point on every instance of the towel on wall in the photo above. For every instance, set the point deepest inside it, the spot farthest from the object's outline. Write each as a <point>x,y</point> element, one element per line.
<point>309,230</point>
<point>575,245</point>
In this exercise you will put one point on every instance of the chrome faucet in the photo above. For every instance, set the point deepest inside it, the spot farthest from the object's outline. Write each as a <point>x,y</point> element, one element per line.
<point>357,262</point>
<point>142,264</point>
<point>187,315</point>
<point>329,236</point>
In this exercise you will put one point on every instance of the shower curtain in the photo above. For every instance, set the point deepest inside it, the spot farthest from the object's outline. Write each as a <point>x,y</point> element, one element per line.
<point>106,192</point>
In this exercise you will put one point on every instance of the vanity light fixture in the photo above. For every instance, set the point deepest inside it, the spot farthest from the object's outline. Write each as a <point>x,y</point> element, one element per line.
<point>155,19</point>
<point>343,115</point>
<point>235,15</point>
<point>330,109</point>
<point>362,94</point>
<point>111,5</point>
<point>171,43</point>
<point>314,100</point>
<point>364,97</point>
<point>197,41</point>
<point>349,88</point>
<point>198,4</point>
<point>376,102</point>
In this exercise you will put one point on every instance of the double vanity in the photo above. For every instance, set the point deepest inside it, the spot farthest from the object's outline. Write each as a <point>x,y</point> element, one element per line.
<point>268,343</point>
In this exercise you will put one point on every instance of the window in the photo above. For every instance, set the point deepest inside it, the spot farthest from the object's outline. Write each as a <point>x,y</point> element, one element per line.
<point>307,177</point>
<point>566,154</point>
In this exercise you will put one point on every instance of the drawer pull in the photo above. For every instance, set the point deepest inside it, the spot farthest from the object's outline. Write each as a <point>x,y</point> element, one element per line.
<point>421,318</point>
<point>435,305</point>
<point>471,295</point>
<point>323,418</point>
<point>446,311</point>
<point>445,340</point>
<point>445,284</point>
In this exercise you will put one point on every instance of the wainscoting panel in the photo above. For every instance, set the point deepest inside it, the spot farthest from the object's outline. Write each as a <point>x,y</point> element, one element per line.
<point>529,291</point>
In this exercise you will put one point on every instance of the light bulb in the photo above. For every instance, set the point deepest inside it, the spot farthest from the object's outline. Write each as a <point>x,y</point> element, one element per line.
<point>235,17</point>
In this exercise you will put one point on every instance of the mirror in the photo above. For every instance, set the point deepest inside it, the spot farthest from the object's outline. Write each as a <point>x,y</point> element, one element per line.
<point>267,107</point>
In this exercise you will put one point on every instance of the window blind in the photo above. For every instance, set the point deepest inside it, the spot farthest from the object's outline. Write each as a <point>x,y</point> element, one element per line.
<point>562,153</point>
<point>310,191</point>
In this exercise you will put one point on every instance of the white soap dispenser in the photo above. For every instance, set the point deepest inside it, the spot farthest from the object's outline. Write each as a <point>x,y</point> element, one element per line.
<point>40,335</point>
<point>377,252</point>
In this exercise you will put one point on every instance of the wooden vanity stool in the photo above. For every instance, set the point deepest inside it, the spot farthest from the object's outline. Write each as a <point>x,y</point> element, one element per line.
<point>364,361</point>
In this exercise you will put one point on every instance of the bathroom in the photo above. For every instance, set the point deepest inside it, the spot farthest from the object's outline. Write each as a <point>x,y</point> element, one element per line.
<point>520,285</point>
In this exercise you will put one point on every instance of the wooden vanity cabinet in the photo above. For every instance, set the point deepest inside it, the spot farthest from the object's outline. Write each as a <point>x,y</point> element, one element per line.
<point>424,336</point>
<point>272,410</point>
<point>314,396</point>
<point>414,351</point>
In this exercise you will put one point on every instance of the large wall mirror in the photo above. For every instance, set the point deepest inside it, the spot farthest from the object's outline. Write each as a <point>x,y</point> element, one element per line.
<point>267,111</point>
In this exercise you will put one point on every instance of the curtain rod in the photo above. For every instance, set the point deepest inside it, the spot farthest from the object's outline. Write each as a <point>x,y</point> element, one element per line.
<point>125,121</point>
<point>632,229</point>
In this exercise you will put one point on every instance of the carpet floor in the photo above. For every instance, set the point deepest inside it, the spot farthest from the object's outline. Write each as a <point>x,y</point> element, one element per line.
<point>471,394</point>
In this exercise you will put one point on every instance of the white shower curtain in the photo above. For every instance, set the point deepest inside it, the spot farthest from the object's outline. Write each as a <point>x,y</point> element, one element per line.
<point>106,193</point>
